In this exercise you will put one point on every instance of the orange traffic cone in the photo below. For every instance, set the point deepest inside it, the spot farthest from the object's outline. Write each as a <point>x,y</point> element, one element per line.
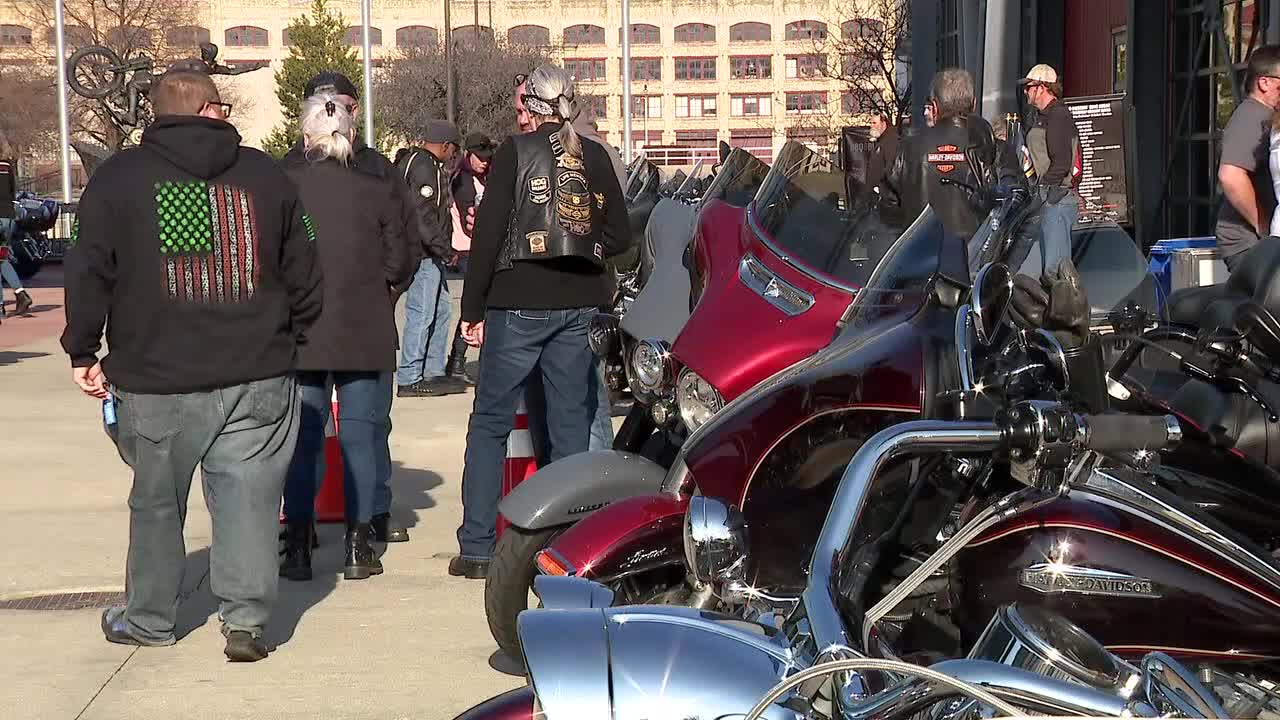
<point>331,501</point>
<point>520,462</point>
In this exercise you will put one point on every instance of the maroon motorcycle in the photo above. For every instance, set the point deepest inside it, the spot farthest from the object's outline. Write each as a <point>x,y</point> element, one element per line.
<point>777,451</point>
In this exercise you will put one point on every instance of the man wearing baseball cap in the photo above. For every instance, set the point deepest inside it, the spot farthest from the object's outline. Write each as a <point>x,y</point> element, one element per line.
<point>1054,144</point>
<point>468,189</point>
<point>368,160</point>
<point>428,172</point>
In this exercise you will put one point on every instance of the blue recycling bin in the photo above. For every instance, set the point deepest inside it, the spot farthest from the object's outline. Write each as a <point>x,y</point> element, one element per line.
<point>1160,263</point>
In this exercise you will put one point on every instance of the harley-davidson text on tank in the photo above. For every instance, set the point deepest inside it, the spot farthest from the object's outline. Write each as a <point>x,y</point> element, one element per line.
<point>1054,578</point>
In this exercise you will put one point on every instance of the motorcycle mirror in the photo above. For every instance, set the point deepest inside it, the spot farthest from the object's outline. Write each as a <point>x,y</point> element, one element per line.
<point>992,295</point>
<point>1261,328</point>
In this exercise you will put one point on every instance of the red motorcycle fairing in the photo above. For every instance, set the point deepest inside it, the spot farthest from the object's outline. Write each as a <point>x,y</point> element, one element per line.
<point>628,536</point>
<point>721,341</point>
<point>1128,580</point>
<point>514,704</point>
<point>846,395</point>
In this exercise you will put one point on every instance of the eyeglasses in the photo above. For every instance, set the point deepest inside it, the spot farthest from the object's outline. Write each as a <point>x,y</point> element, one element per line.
<point>223,106</point>
<point>519,80</point>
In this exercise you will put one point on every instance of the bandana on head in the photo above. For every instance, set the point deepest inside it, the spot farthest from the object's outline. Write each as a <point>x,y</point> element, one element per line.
<point>538,106</point>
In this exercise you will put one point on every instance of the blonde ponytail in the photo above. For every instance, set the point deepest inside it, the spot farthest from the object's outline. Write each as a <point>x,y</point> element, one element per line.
<point>327,128</point>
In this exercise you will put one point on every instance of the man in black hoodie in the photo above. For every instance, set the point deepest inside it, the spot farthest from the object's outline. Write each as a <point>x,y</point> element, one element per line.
<point>369,160</point>
<point>196,255</point>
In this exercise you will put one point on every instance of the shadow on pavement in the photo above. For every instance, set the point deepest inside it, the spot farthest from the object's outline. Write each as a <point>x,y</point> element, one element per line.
<point>12,357</point>
<point>410,492</point>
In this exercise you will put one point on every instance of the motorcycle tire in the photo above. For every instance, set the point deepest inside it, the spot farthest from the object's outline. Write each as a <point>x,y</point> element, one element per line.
<point>506,586</point>
<point>83,60</point>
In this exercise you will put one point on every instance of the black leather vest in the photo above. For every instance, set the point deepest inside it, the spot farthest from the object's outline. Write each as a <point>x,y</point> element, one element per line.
<point>936,153</point>
<point>556,213</point>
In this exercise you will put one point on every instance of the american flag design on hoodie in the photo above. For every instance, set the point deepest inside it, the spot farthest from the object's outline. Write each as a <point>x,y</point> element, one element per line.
<point>209,242</point>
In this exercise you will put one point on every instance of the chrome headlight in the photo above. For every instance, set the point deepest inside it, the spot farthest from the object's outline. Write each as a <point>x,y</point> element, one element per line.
<point>698,400</point>
<point>602,334</point>
<point>715,540</point>
<point>651,365</point>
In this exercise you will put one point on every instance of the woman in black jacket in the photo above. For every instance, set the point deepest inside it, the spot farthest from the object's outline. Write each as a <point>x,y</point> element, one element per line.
<point>358,234</point>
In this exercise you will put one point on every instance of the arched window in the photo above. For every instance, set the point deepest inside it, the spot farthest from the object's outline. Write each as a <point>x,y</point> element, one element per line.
<point>584,35</point>
<point>643,34</point>
<point>15,35</point>
<point>354,35</point>
<point>807,30</point>
<point>185,36</point>
<point>750,32</point>
<point>533,35</point>
<point>696,33</point>
<point>245,36</point>
<point>471,33</point>
<point>129,37</point>
<point>861,27</point>
<point>77,36</point>
<point>420,36</point>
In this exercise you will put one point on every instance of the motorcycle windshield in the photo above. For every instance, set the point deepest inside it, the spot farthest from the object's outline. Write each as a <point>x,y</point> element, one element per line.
<point>737,179</point>
<point>811,214</point>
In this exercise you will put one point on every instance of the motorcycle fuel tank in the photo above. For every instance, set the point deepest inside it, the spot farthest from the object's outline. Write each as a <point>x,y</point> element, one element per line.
<point>1138,576</point>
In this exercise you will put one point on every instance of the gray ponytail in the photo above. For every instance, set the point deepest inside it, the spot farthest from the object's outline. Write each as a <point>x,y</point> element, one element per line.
<point>327,129</point>
<point>549,82</point>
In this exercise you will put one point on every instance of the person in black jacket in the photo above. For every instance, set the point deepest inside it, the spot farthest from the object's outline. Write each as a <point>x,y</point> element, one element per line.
<point>370,161</point>
<point>536,277</point>
<point>428,172</point>
<point>197,256</point>
<point>468,190</point>
<point>1054,143</point>
<point>353,343</point>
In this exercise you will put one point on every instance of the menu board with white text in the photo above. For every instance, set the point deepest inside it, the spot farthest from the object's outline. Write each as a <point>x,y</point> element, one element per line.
<point>1104,184</point>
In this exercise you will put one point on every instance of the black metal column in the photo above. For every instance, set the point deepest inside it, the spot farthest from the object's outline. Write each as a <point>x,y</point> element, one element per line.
<point>1147,90</point>
<point>924,54</point>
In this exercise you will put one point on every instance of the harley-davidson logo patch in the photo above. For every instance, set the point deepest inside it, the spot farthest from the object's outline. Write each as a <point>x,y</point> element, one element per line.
<point>944,158</point>
<point>1055,578</point>
<point>537,242</point>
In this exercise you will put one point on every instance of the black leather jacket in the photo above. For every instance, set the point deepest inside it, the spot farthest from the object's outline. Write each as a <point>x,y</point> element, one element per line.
<point>555,209</point>
<point>926,158</point>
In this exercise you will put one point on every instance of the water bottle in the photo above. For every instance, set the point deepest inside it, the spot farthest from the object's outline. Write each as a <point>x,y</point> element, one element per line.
<point>109,420</point>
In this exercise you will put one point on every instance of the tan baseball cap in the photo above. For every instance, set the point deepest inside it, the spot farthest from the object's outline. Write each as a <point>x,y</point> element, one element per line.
<point>1041,73</point>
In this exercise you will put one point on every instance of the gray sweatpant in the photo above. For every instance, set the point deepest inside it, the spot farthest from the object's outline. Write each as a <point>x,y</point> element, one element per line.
<point>242,437</point>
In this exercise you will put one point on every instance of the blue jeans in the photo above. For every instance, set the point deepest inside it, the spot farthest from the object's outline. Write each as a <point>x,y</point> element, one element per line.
<point>601,415</point>
<point>1056,221</point>
<point>382,490</point>
<point>518,344</point>
<point>243,438</point>
<point>425,344</point>
<point>361,415</point>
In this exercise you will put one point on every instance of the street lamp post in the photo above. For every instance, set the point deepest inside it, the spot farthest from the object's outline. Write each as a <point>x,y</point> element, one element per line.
<point>366,10</point>
<point>626,80</point>
<point>64,131</point>
<point>448,64</point>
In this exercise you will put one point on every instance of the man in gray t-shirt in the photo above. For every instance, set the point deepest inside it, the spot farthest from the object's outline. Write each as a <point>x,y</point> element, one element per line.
<point>1244,171</point>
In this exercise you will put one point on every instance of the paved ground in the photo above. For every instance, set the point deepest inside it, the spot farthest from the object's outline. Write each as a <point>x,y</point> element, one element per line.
<point>411,643</point>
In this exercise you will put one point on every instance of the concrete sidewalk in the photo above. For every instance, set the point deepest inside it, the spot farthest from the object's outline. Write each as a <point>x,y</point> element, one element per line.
<point>411,643</point>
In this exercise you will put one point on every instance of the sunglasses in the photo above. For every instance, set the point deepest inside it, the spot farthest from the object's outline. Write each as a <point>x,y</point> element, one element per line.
<point>223,106</point>
<point>519,79</point>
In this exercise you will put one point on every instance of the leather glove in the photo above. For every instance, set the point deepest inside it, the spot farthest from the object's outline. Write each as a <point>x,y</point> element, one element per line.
<point>1056,303</point>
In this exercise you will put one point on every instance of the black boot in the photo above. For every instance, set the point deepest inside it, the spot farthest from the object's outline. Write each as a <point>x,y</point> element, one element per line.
<point>297,551</point>
<point>385,531</point>
<point>361,560</point>
<point>456,368</point>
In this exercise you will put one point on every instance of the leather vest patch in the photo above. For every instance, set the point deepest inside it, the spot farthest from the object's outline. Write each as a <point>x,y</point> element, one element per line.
<point>556,210</point>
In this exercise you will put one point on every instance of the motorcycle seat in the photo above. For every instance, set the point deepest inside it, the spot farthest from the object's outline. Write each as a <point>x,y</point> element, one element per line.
<point>1257,278</point>
<point>1188,305</point>
<point>1238,421</point>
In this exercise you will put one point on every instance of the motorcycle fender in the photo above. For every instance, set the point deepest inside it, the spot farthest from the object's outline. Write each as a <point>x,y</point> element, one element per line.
<point>566,593</point>
<point>567,654</point>
<point>511,705</point>
<point>569,489</point>
<point>630,535</point>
